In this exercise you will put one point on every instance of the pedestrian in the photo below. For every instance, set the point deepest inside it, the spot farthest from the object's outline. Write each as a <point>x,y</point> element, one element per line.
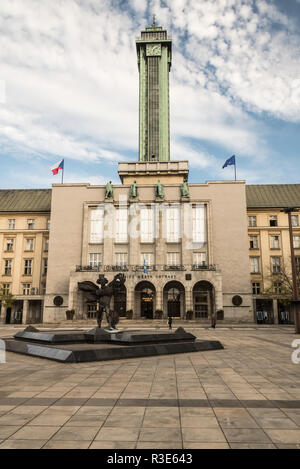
<point>170,320</point>
<point>213,320</point>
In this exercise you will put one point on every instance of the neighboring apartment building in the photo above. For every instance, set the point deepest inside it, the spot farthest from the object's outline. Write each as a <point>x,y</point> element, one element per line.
<point>24,239</point>
<point>269,247</point>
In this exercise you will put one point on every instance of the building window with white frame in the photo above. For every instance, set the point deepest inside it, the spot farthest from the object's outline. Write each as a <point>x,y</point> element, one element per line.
<point>276,264</point>
<point>252,220</point>
<point>7,266</point>
<point>28,267</point>
<point>173,258</point>
<point>253,242</point>
<point>273,220</point>
<point>97,225</point>
<point>173,220</point>
<point>95,259</point>
<point>5,288</point>
<point>26,288</point>
<point>29,244</point>
<point>274,242</point>
<point>121,225</point>
<point>256,288</point>
<point>199,223</point>
<point>199,259</point>
<point>10,244</point>
<point>122,259</point>
<point>295,220</point>
<point>147,224</point>
<point>11,224</point>
<point>254,265</point>
<point>147,258</point>
<point>296,241</point>
<point>30,223</point>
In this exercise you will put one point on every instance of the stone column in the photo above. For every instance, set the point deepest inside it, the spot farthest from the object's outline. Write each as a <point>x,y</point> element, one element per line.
<point>25,311</point>
<point>188,299</point>
<point>275,311</point>
<point>159,301</point>
<point>2,314</point>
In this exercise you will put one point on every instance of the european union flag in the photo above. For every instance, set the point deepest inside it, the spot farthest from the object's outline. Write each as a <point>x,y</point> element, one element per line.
<point>230,161</point>
<point>145,267</point>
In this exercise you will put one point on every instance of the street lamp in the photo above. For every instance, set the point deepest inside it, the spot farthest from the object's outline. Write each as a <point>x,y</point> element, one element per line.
<point>295,301</point>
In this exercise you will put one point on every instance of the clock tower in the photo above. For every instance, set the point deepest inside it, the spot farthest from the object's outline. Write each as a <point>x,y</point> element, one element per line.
<point>154,51</point>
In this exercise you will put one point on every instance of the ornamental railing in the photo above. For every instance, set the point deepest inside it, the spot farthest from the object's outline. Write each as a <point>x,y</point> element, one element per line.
<point>142,268</point>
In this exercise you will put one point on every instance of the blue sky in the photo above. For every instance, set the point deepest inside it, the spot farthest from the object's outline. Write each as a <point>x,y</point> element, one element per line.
<point>70,78</point>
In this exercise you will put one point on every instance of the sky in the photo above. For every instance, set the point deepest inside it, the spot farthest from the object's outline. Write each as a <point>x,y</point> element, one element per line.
<point>69,88</point>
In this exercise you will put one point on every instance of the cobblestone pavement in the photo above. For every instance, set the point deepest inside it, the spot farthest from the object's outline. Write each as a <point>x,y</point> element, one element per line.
<point>245,396</point>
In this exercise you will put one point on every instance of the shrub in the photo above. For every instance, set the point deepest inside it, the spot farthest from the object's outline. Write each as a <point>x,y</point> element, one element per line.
<point>189,314</point>
<point>158,314</point>
<point>129,314</point>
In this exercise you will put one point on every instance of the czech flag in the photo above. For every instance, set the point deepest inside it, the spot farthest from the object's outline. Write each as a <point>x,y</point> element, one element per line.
<point>59,165</point>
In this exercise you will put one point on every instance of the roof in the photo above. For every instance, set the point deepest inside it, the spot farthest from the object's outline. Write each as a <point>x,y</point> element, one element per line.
<point>25,200</point>
<point>273,195</point>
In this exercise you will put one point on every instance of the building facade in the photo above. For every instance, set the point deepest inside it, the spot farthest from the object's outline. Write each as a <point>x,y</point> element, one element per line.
<point>269,248</point>
<point>24,239</point>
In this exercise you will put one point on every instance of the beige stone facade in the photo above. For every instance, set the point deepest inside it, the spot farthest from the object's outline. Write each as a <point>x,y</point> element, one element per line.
<point>199,267</point>
<point>24,238</point>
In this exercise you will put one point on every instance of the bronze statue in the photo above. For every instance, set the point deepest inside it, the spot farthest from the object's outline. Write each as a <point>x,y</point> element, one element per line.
<point>103,297</point>
<point>159,190</point>
<point>185,189</point>
<point>109,191</point>
<point>134,190</point>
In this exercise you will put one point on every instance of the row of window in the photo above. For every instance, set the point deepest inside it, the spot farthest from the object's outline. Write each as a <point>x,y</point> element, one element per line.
<point>29,244</point>
<point>27,269</point>
<point>26,289</point>
<point>30,224</point>
<point>256,288</point>
<point>147,224</point>
<point>147,258</point>
<point>274,241</point>
<point>275,264</point>
<point>273,221</point>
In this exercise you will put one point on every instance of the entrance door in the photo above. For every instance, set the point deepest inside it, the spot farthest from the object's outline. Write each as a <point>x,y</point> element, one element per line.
<point>201,304</point>
<point>147,303</point>
<point>8,316</point>
<point>174,302</point>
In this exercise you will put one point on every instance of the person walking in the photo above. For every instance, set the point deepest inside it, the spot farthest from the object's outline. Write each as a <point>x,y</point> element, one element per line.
<point>170,320</point>
<point>213,320</point>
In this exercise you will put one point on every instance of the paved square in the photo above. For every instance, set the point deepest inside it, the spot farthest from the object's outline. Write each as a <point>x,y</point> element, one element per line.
<point>245,396</point>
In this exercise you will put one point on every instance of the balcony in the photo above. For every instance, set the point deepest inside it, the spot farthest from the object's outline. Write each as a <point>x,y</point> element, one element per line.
<point>140,268</point>
<point>174,267</point>
<point>203,266</point>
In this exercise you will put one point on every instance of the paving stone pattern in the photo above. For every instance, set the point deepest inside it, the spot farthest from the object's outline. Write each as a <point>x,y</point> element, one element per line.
<point>246,396</point>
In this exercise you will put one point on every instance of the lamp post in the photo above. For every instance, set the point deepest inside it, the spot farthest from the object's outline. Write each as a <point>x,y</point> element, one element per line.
<point>295,301</point>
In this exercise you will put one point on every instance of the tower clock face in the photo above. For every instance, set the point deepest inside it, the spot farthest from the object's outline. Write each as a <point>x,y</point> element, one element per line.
<point>153,49</point>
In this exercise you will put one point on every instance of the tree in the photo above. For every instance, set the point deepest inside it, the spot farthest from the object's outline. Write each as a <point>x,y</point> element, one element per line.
<point>281,284</point>
<point>7,298</point>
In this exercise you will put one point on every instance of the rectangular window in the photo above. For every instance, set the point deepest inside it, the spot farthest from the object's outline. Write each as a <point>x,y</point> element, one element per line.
<point>95,259</point>
<point>296,241</point>
<point>256,288</point>
<point>46,244</point>
<point>97,225</point>
<point>7,266</point>
<point>297,258</point>
<point>254,265</point>
<point>26,288</point>
<point>277,287</point>
<point>30,223</point>
<point>199,223</point>
<point>5,288</point>
<point>173,258</point>
<point>29,242</point>
<point>121,225</point>
<point>45,266</point>
<point>273,220</point>
<point>173,219</point>
<point>10,244</point>
<point>295,220</point>
<point>275,263</point>
<point>199,259</point>
<point>252,220</point>
<point>253,242</point>
<point>48,224</point>
<point>147,225</point>
<point>148,257</point>
<point>121,259</point>
<point>11,224</point>
<point>274,242</point>
<point>28,267</point>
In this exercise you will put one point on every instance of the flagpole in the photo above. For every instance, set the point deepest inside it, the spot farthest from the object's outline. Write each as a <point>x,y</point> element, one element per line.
<point>62,173</point>
<point>234,169</point>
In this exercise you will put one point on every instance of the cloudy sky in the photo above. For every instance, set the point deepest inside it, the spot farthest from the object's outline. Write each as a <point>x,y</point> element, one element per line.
<point>69,88</point>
